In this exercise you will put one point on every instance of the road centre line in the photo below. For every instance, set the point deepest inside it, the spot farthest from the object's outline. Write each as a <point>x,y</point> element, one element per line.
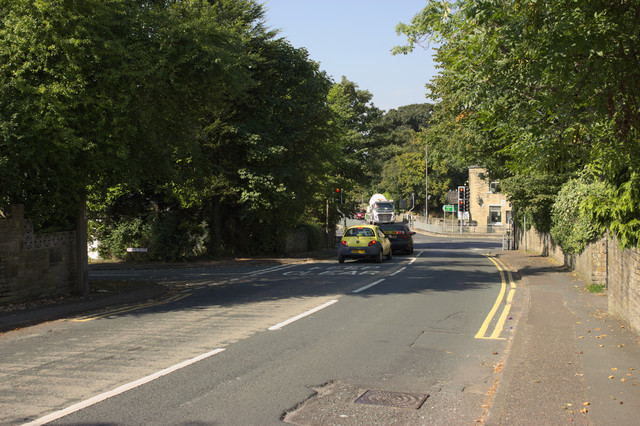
<point>398,271</point>
<point>416,256</point>
<point>503,317</point>
<point>119,390</point>
<point>368,286</point>
<point>296,318</point>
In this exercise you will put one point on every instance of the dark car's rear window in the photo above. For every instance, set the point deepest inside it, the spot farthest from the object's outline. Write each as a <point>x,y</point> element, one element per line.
<point>392,227</point>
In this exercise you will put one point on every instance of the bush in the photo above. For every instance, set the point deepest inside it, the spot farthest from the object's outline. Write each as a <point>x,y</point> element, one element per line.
<point>572,228</point>
<point>175,238</point>
<point>114,239</point>
<point>169,236</point>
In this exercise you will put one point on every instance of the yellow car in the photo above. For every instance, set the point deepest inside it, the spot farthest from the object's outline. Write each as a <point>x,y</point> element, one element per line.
<point>363,241</point>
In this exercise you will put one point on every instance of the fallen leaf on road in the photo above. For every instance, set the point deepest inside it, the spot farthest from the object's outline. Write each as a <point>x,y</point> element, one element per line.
<point>614,368</point>
<point>611,377</point>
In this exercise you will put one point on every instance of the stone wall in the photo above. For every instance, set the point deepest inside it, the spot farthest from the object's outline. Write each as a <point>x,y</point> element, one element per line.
<point>602,262</point>
<point>624,283</point>
<point>34,265</point>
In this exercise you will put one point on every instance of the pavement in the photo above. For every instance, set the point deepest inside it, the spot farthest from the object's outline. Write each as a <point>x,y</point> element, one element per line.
<point>569,361</point>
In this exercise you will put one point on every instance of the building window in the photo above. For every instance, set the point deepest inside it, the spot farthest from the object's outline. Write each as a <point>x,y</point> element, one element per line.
<point>495,214</point>
<point>494,187</point>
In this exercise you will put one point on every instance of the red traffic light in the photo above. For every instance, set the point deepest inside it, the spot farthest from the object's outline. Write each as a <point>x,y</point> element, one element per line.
<point>337,189</point>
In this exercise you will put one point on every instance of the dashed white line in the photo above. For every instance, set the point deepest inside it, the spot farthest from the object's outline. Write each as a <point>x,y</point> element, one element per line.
<point>124,388</point>
<point>398,271</point>
<point>296,318</point>
<point>368,286</point>
<point>414,259</point>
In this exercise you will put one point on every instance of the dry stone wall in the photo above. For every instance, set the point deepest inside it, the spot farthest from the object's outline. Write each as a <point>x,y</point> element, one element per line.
<point>34,265</point>
<point>602,262</point>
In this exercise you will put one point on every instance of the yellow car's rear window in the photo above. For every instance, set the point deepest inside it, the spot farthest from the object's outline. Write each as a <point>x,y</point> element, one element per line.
<point>359,232</point>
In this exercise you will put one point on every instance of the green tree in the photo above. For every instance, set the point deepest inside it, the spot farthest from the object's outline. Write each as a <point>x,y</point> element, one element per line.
<point>271,149</point>
<point>543,88</point>
<point>355,118</point>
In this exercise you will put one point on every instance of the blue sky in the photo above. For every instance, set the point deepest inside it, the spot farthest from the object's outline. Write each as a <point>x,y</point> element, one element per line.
<point>354,38</point>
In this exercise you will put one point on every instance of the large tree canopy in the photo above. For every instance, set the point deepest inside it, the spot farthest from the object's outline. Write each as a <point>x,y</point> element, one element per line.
<point>171,117</point>
<point>543,90</point>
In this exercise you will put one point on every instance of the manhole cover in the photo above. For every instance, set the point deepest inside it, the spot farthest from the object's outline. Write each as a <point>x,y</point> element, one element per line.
<point>393,399</point>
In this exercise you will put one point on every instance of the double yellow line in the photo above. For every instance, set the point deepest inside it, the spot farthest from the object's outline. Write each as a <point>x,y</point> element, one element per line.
<point>170,299</point>
<point>507,305</point>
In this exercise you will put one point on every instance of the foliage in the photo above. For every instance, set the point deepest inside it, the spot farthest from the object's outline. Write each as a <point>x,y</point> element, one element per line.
<point>166,116</point>
<point>532,196</point>
<point>115,239</point>
<point>572,227</point>
<point>616,209</point>
<point>542,89</point>
<point>354,118</point>
<point>402,152</point>
<point>596,288</point>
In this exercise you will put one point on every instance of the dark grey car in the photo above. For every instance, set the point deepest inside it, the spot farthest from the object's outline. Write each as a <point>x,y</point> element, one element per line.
<point>401,237</point>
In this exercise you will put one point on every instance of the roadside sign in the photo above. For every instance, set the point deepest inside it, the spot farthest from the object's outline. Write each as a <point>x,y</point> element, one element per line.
<point>449,208</point>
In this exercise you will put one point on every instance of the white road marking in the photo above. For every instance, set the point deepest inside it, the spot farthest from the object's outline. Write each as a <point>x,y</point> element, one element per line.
<point>272,269</point>
<point>368,286</point>
<point>414,259</point>
<point>122,389</point>
<point>296,318</point>
<point>398,271</point>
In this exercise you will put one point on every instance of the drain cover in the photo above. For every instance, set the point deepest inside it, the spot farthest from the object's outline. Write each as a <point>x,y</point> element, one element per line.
<point>393,399</point>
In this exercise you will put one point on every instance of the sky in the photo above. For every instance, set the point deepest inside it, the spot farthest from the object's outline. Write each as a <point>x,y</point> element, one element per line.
<point>353,38</point>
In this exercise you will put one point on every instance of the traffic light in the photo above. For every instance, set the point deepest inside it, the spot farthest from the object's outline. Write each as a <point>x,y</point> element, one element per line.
<point>462,192</point>
<point>339,195</point>
<point>466,198</point>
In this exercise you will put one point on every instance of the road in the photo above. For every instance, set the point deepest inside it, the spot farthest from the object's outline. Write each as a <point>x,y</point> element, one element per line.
<point>419,339</point>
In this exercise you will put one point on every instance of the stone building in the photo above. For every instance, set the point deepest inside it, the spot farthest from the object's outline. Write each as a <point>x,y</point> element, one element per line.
<point>488,208</point>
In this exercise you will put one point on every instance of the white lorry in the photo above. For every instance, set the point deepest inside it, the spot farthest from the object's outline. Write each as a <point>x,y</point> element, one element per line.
<point>380,210</point>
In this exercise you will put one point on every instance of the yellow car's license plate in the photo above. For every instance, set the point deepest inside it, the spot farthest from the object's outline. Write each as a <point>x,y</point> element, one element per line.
<point>358,251</point>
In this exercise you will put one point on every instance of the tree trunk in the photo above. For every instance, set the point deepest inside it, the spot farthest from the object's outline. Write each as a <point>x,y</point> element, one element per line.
<point>82,258</point>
